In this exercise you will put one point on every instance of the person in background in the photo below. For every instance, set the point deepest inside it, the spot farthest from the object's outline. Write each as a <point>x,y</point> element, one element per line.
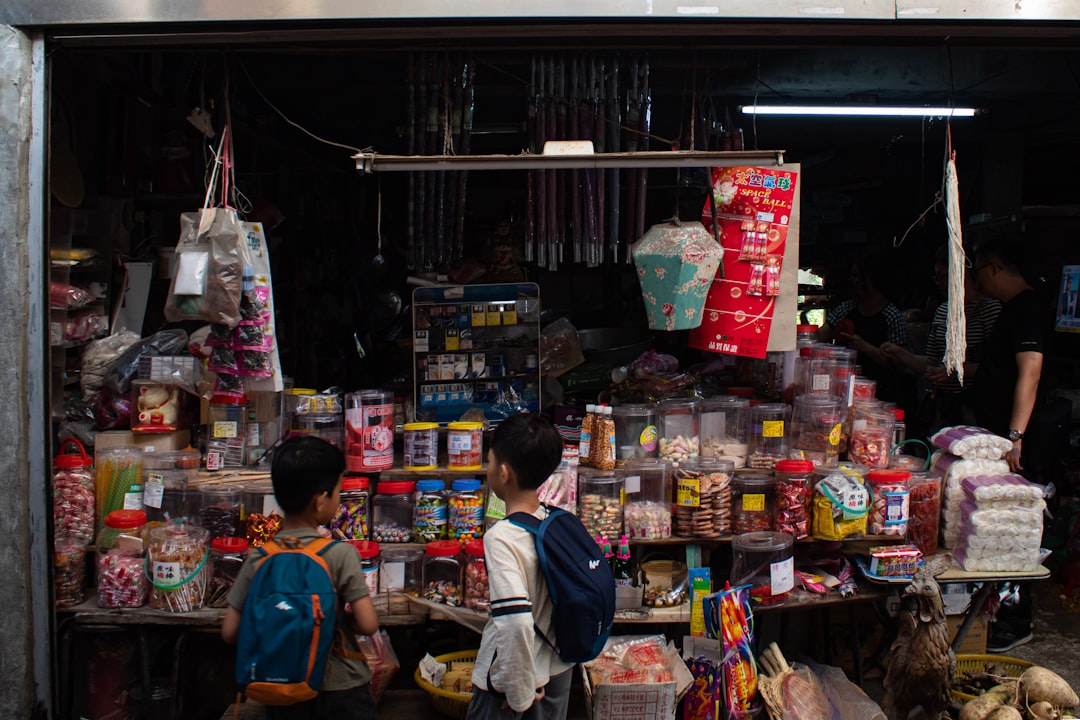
<point>948,402</point>
<point>306,475</point>
<point>517,674</point>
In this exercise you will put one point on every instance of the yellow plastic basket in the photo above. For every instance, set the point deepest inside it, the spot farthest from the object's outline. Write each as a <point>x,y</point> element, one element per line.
<point>1013,667</point>
<point>448,702</point>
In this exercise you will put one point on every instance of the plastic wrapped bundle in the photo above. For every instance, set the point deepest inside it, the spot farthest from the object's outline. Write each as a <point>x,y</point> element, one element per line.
<point>982,561</point>
<point>1004,489</point>
<point>954,470</point>
<point>971,443</point>
<point>1004,539</point>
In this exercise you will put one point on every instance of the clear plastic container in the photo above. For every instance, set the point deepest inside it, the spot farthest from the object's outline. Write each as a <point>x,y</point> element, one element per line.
<point>600,502</point>
<point>166,493</point>
<point>262,515</point>
<point>871,436</point>
<point>925,511</point>
<point>680,429</point>
<point>862,388</point>
<point>370,561</point>
<point>465,446</point>
<point>118,481</point>
<point>635,432</point>
<point>891,504</point>
<point>325,426</point>
<point>421,445</point>
<point>724,421</point>
<point>400,574</point>
<point>665,582</point>
<point>477,589</point>
<point>703,498</point>
<point>817,424</point>
<point>766,561</point>
<point>73,495</point>
<point>219,510</point>
<point>369,430</point>
<point>121,560</point>
<point>442,573</point>
<point>430,511</point>
<point>753,502</point>
<point>352,521</point>
<point>466,503</point>
<point>226,432</point>
<point>69,573</point>
<point>899,435</point>
<point>770,425</point>
<point>392,512</point>
<point>794,491</point>
<point>647,511</point>
<point>178,559</point>
<point>227,555</point>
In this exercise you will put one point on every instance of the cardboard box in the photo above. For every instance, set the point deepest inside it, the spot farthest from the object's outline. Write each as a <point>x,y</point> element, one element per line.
<point>975,640</point>
<point>957,597</point>
<point>653,701</point>
<point>149,442</point>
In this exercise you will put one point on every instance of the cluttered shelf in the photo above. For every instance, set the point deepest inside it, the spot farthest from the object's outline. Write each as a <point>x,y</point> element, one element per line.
<point>88,613</point>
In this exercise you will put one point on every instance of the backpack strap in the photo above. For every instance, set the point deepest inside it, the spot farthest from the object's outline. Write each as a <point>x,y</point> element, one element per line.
<point>531,523</point>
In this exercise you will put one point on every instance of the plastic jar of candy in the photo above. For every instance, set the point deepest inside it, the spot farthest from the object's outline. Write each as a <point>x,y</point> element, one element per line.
<point>871,436</point>
<point>121,553</point>
<point>635,432</point>
<point>766,561</point>
<point>465,445</point>
<point>769,428</point>
<point>392,512</point>
<point>400,574</point>
<point>703,498</point>
<point>442,572</point>
<point>262,515</point>
<point>724,421</point>
<point>466,510</point>
<point>477,590</point>
<point>753,502</point>
<point>219,511</point>
<point>421,445</point>
<point>794,491</point>
<point>370,560</point>
<point>166,494</point>
<point>680,429</point>
<point>890,504</point>
<point>647,485</point>
<point>352,521</point>
<point>862,388</point>
<point>924,507</point>
<point>369,430</point>
<point>227,555</point>
<point>599,502</point>
<point>226,431</point>
<point>430,511</point>
<point>73,495</point>
<point>69,572</point>
<point>178,560</point>
<point>816,426</point>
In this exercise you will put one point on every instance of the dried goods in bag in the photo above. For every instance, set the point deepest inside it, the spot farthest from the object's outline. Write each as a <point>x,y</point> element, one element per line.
<point>207,282</point>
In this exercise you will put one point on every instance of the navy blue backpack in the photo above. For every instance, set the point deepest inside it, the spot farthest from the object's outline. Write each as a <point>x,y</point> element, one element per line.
<point>579,580</point>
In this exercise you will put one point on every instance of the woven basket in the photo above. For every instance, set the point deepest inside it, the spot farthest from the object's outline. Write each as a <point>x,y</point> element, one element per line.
<point>1014,667</point>
<point>448,702</point>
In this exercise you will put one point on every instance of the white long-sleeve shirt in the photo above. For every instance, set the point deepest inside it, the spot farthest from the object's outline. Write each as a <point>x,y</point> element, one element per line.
<point>519,661</point>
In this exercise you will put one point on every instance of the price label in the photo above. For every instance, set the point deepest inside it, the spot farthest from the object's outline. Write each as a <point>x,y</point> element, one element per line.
<point>133,500</point>
<point>154,490</point>
<point>633,484</point>
<point>688,492</point>
<point>225,429</point>
<point>834,434</point>
<point>166,573</point>
<point>821,383</point>
<point>754,502</point>
<point>392,576</point>
<point>772,428</point>
<point>782,576</point>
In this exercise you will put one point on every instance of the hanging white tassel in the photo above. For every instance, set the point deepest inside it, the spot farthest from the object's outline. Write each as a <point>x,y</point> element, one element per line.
<point>956,324</point>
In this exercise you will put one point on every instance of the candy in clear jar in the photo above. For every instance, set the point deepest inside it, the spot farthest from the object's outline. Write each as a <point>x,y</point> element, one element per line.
<point>925,512</point>
<point>753,498</point>
<point>351,521</point>
<point>69,573</point>
<point>73,495</point>
<point>794,489</point>
<point>679,429</point>
<point>477,589</point>
<point>392,512</point>
<point>442,573</point>
<point>466,507</point>
<point>871,436</point>
<point>121,560</point>
<point>647,484</point>
<point>703,498</point>
<point>179,567</point>
<point>600,502</point>
<point>890,505</point>
<point>430,511</point>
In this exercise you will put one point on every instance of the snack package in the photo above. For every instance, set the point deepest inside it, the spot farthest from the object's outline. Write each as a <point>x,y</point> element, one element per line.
<point>971,442</point>
<point>706,695</point>
<point>841,504</point>
<point>732,621</point>
<point>895,560</point>
<point>380,657</point>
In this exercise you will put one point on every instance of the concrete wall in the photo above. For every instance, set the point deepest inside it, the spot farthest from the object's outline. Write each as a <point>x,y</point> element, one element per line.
<point>24,610</point>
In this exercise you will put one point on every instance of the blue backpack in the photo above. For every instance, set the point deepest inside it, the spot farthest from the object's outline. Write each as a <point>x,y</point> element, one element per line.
<point>287,625</point>
<point>579,580</point>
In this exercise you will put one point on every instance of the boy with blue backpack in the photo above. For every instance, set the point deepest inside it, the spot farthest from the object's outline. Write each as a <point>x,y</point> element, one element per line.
<point>552,593</point>
<point>297,650</point>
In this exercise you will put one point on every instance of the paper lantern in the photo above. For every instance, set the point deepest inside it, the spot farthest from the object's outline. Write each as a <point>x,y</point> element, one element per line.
<point>676,262</point>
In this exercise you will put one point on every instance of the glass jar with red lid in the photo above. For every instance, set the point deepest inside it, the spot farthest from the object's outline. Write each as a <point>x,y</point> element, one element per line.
<point>352,521</point>
<point>121,559</point>
<point>392,511</point>
<point>477,590</point>
<point>442,572</point>
<point>227,555</point>
<point>794,490</point>
<point>890,504</point>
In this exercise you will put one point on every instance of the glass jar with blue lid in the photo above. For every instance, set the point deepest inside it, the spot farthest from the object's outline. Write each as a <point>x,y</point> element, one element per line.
<point>466,510</point>
<point>430,511</point>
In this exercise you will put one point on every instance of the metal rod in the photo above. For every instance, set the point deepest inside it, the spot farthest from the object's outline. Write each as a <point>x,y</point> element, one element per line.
<point>374,162</point>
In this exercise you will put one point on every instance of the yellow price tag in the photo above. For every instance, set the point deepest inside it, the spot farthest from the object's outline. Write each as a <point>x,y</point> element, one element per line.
<point>688,492</point>
<point>753,503</point>
<point>772,428</point>
<point>834,434</point>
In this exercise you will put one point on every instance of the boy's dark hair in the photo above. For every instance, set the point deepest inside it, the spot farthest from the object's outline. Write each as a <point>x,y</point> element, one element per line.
<point>530,445</point>
<point>303,468</point>
<point>1007,250</point>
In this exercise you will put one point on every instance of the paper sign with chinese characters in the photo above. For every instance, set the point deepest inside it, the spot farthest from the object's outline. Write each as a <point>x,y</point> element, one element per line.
<point>753,213</point>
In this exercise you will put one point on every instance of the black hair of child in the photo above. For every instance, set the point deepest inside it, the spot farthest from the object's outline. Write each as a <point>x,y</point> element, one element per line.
<point>303,468</point>
<point>530,445</point>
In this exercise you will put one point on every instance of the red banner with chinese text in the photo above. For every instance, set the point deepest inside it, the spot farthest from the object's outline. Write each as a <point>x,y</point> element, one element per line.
<point>753,211</point>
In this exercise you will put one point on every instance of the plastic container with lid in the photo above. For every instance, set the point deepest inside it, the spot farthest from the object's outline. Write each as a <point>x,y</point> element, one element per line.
<point>647,507</point>
<point>370,560</point>
<point>899,428</point>
<point>724,421</point>
<point>766,561</point>
<point>477,589</point>
<point>430,511</point>
<point>226,431</point>
<point>871,435</point>
<point>219,510</point>
<point>890,506</point>
<point>924,509</point>
<point>118,481</point>
<point>69,572</point>
<point>770,425</point>
<point>817,424</point>
<point>635,432</point>
<point>862,388</point>
<point>421,445</point>
<point>603,453</point>
<point>400,574</point>
<point>703,498</point>
<point>466,503</point>
<point>665,582</point>
<point>392,511</point>
<point>352,521</point>
<point>753,502</point>
<point>121,560</point>
<point>178,561</point>
<point>166,493</point>
<point>369,430</point>
<point>442,573</point>
<point>679,429</point>
<point>794,491</point>
<point>73,495</point>
<point>465,445</point>
<point>599,502</point>
<point>227,555</point>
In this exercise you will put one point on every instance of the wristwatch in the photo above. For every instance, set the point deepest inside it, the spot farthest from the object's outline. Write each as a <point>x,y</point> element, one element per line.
<point>1015,435</point>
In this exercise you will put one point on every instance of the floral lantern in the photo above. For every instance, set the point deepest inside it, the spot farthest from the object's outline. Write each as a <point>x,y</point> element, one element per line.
<point>676,262</point>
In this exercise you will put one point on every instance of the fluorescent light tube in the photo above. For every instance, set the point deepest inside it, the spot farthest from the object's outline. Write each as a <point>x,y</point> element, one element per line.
<point>859,110</point>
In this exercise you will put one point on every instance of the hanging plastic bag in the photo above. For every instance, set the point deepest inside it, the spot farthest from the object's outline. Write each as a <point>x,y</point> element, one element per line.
<point>207,282</point>
<point>381,659</point>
